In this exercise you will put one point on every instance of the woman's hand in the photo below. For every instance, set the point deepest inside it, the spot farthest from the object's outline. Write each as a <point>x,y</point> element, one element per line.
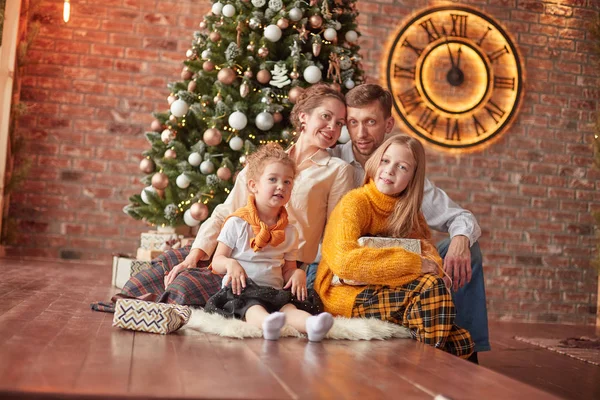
<point>428,266</point>
<point>298,284</point>
<point>190,262</point>
<point>236,275</point>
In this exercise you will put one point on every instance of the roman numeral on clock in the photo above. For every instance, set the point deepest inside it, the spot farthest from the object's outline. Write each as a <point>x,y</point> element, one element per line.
<point>428,120</point>
<point>410,99</point>
<point>494,111</point>
<point>432,32</point>
<point>417,50</point>
<point>480,41</point>
<point>479,129</point>
<point>401,72</point>
<point>494,55</point>
<point>452,129</point>
<point>502,82</point>
<point>459,25</point>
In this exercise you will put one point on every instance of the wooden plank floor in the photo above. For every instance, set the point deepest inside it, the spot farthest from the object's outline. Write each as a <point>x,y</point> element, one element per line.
<point>53,346</point>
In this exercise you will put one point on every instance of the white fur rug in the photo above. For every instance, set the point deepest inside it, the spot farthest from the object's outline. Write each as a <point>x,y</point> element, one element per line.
<point>343,328</point>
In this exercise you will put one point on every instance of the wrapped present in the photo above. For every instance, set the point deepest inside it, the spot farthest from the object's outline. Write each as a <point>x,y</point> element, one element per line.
<point>155,240</point>
<point>413,245</point>
<point>147,255</point>
<point>124,267</point>
<point>145,316</point>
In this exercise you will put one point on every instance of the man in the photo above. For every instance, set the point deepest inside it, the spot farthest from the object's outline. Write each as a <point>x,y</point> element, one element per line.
<point>369,119</point>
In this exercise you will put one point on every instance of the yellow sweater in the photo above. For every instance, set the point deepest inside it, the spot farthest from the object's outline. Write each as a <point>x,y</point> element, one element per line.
<point>364,212</point>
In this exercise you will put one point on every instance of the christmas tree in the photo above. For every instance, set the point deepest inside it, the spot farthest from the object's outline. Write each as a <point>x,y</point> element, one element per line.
<point>248,63</point>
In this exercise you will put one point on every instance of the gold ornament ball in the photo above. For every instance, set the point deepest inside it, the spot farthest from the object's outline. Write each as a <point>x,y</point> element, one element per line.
<point>226,76</point>
<point>186,74</point>
<point>214,36</point>
<point>208,66</point>
<point>160,181</point>
<point>217,98</point>
<point>277,117</point>
<point>212,137</point>
<point>283,23</point>
<point>160,193</point>
<point>170,153</point>
<point>156,126</point>
<point>251,47</point>
<point>192,86</point>
<point>199,211</point>
<point>224,173</point>
<point>173,118</point>
<point>294,93</point>
<point>294,74</point>
<point>202,25</point>
<point>263,76</point>
<point>248,73</point>
<point>315,21</point>
<point>146,165</point>
<point>263,52</point>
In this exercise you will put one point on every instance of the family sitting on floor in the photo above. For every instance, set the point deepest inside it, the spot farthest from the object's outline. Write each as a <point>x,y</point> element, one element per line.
<point>308,207</point>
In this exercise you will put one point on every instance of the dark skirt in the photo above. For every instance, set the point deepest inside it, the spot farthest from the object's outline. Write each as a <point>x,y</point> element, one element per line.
<point>233,306</point>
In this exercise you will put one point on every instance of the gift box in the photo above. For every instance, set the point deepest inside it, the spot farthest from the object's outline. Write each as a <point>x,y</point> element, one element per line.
<point>154,240</point>
<point>413,245</point>
<point>147,255</point>
<point>145,316</point>
<point>124,267</point>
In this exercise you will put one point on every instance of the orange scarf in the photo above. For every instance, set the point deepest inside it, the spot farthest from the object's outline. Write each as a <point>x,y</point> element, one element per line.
<point>273,235</point>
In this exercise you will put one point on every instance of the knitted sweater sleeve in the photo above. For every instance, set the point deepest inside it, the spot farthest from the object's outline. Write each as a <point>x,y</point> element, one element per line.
<point>350,220</point>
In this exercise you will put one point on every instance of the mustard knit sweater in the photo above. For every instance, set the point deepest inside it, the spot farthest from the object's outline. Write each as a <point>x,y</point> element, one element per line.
<point>364,212</point>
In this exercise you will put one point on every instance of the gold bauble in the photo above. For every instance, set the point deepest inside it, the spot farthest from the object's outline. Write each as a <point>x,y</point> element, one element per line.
<point>208,66</point>
<point>192,86</point>
<point>186,74</point>
<point>156,126</point>
<point>146,165</point>
<point>294,74</point>
<point>214,36</point>
<point>251,47</point>
<point>315,21</point>
<point>160,180</point>
<point>277,117</point>
<point>199,211</point>
<point>248,73</point>
<point>170,153</point>
<point>263,76</point>
<point>224,173</point>
<point>212,137</point>
<point>226,76</point>
<point>263,52</point>
<point>202,25</point>
<point>294,93</point>
<point>218,98</point>
<point>283,23</point>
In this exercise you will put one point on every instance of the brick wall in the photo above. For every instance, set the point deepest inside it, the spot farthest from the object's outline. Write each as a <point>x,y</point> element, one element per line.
<point>93,82</point>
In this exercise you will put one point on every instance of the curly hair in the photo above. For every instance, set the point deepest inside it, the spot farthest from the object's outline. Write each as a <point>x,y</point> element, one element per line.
<point>268,153</point>
<point>311,98</point>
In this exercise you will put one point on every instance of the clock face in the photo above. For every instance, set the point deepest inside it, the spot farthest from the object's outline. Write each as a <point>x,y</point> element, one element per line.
<point>455,75</point>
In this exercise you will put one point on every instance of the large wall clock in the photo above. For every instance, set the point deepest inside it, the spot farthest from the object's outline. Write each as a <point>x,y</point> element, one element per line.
<point>456,76</point>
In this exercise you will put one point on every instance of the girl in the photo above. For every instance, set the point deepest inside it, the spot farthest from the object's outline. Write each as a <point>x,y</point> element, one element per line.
<point>400,286</point>
<point>257,251</point>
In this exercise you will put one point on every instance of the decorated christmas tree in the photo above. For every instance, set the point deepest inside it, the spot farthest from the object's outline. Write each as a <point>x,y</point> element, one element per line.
<point>247,65</point>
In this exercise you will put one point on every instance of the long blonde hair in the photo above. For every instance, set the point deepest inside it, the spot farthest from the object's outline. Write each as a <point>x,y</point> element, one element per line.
<point>406,217</point>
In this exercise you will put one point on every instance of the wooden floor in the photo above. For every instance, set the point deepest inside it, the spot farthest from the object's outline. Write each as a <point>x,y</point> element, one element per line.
<point>53,346</point>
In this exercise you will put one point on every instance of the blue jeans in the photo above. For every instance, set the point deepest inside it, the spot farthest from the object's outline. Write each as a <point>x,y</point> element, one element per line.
<point>471,309</point>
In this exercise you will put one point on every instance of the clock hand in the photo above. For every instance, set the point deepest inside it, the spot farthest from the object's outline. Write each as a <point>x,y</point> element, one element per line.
<point>458,57</point>
<point>448,47</point>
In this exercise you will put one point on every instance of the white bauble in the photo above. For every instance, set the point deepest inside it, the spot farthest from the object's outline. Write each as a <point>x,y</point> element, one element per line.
<point>182,181</point>
<point>351,36</point>
<point>189,220</point>
<point>349,83</point>
<point>312,74</point>
<point>179,108</point>
<point>295,14</point>
<point>145,195</point>
<point>236,143</point>
<point>272,33</point>
<point>330,34</point>
<point>264,121</point>
<point>217,8</point>
<point>189,53</point>
<point>207,167</point>
<point>228,10</point>
<point>337,25</point>
<point>206,54</point>
<point>194,159</point>
<point>344,136</point>
<point>238,120</point>
<point>167,135</point>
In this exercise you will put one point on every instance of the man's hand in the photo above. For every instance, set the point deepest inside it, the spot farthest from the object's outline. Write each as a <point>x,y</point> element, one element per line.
<point>236,275</point>
<point>298,284</point>
<point>457,262</point>
<point>190,262</point>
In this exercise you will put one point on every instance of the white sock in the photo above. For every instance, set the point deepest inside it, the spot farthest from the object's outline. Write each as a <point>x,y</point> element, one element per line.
<point>317,326</point>
<point>272,325</point>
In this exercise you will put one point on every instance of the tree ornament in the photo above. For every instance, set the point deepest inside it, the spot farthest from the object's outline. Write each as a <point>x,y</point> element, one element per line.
<point>263,76</point>
<point>194,159</point>
<point>144,193</point>
<point>170,212</point>
<point>251,47</point>
<point>248,73</point>
<point>179,108</point>
<point>212,137</point>
<point>259,3</point>
<point>199,211</point>
<point>330,34</point>
<point>316,47</point>
<point>264,121</point>
<point>238,120</point>
<point>280,78</point>
<point>182,181</point>
<point>344,136</point>
<point>272,33</point>
<point>349,83</point>
<point>294,74</point>
<point>217,8</point>
<point>243,160</point>
<point>171,99</point>
<point>218,98</point>
<point>312,74</point>
<point>206,54</point>
<point>219,23</point>
<point>160,180</point>
<point>283,23</point>
<point>208,66</point>
<point>167,135</point>
<point>226,76</point>
<point>315,21</point>
<point>294,93</point>
<point>277,117</point>
<point>275,5</point>
<point>202,25</point>
<point>224,173</point>
<point>173,118</point>
<point>189,53</point>
<point>337,25</point>
<point>228,11</point>
<point>214,36</point>
<point>244,89</point>
<point>295,14</point>
<point>333,71</point>
<point>147,165</point>
<point>254,23</point>
<point>192,86</point>
<point>207,167</point>
<point>345,63</point>
<point>189,220</point>
<point>263,52</point>
<point>286,134</point>
<point>170,153</point>
<point>351,36</point>
<point>186,74</point>
<point>156,126</point>
<point>236,143</point>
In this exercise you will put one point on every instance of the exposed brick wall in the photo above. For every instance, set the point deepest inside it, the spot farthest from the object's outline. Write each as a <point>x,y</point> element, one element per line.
<point>93,83</point>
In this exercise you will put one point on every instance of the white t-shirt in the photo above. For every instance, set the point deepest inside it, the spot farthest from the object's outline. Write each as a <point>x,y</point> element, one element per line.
<point>264,267</point>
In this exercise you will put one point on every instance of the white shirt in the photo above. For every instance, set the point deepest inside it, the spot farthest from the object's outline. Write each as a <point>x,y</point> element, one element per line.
<point>264,267</point>
<point>441,213</point>
<point>320,184</point>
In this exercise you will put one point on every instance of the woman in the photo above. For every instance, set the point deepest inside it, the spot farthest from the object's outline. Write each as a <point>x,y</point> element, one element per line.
<point>389,283</point>
<point>322,180</point>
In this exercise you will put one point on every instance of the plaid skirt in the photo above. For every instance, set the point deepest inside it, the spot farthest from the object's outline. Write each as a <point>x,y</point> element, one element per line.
<point>424,306</point>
